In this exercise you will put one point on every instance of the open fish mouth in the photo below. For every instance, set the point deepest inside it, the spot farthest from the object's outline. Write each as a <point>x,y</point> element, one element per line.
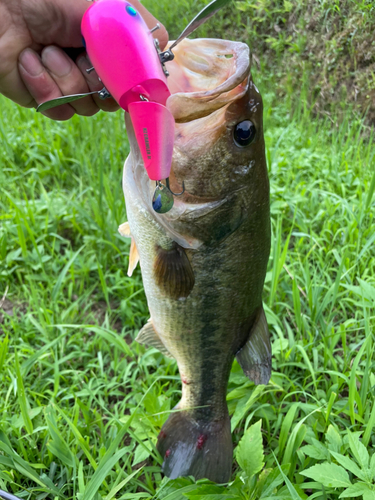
<point>205,75</point>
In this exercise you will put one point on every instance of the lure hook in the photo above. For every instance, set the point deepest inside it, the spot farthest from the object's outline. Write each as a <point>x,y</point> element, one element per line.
<point>175,194</point>
<point>162,201</point>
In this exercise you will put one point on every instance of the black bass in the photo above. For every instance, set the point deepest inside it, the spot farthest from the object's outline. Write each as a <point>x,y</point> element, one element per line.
<point>204,263</point>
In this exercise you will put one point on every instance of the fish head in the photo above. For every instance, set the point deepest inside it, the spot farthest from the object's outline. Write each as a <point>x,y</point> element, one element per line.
<point>218,112</point>
<point>219,143</point>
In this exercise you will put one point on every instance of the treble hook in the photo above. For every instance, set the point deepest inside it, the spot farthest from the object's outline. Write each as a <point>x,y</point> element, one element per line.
<point>175,194</point>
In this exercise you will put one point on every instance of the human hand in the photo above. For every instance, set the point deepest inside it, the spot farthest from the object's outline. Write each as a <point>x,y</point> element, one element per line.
<point>33,65</point>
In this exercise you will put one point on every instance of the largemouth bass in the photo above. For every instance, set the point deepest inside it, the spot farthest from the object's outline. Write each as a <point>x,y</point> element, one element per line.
<point>203,263</point>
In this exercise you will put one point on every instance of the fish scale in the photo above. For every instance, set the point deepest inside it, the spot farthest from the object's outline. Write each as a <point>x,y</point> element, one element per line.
<point>203,263</point>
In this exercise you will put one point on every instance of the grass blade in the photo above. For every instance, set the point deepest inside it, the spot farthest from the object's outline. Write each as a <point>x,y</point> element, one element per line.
<point>21,395</point>
<point>60,279</point>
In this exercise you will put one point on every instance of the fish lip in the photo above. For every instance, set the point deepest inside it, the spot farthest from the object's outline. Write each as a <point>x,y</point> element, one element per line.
<point>188,105</point>
<point>199,210</point>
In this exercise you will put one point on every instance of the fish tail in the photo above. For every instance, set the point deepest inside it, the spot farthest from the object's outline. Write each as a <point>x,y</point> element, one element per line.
<point>195,448</point>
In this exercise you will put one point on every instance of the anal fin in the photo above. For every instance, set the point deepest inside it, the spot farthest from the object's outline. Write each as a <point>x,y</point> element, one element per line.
<point>255,357</point>
<point>149,336</point>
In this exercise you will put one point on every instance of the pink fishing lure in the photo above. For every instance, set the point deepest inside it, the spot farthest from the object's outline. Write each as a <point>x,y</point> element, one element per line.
<point>122,49</point>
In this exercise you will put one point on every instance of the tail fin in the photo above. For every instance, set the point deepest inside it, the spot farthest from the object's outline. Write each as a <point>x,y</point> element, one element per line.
<point>193,448</point>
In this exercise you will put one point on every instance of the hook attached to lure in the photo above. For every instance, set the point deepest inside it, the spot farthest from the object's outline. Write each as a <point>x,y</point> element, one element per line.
<point>162,201</point>
<point>129,62</point>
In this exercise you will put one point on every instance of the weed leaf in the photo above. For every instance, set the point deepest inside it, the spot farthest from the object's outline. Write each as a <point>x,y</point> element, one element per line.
<point>329,475</point>
<point>140,454</point>
<point>356,490</point>
<point>348,465</point>
<point>316,450</point>
<point>249,452</point>
<point>359,450</point>
<point>333,438</point>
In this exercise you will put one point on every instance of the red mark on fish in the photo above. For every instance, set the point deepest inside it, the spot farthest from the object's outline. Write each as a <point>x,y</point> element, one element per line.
<point>167,453</point>
<point>201,440</point>
<point>184,380</point>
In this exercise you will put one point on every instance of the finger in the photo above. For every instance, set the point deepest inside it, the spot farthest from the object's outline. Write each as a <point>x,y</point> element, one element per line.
<point>93,83</point>
<point>41,85</point>
<point>69,79</point>
<point>11,84</point>
<point>14,88</point>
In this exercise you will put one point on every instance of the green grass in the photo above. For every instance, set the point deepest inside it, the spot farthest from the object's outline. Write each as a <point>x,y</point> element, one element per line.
<point>81,404</point>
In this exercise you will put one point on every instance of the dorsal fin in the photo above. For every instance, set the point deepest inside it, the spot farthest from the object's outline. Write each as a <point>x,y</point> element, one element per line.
<point>255,357</point>
<point>149,336</point>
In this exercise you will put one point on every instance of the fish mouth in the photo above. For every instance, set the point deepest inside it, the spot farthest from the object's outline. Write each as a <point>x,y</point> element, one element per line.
<point>206,75</point>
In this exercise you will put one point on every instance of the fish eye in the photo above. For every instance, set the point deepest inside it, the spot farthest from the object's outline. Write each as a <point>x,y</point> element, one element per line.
<point>244,133</point>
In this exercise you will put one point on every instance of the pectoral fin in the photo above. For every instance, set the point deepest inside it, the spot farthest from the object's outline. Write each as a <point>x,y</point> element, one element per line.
<point>173,272</point>
<point>149,336</point>
<point>255,357</point>
<point>124,230</point>
<point>133,257</point>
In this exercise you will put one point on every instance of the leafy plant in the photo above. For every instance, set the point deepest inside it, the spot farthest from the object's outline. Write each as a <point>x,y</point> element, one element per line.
<point>333,475</point>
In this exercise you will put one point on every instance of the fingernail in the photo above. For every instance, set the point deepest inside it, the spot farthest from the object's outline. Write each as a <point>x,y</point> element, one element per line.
<point>31,63</point>
<point>83,62</point>
<point>58,63</point>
